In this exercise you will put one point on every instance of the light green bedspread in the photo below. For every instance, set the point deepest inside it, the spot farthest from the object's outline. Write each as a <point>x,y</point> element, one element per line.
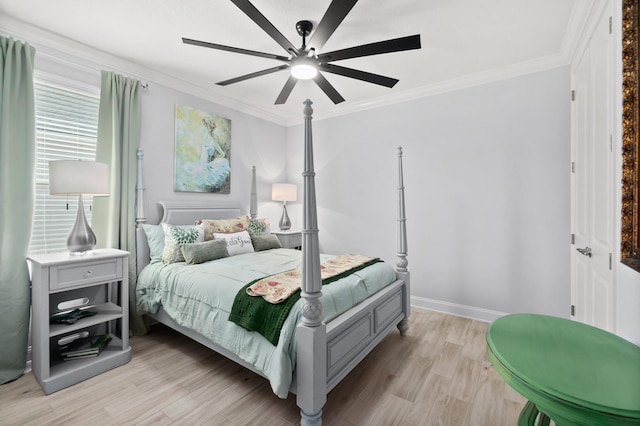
<point>200,297</point>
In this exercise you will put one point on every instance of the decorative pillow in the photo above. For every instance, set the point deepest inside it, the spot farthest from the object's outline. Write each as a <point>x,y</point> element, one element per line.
<point>265,242</point>
<point>175,236</point>
<point>223,226</point>
<point>155,239</point>
<point>202,252</point>
<point>259,227</point>
<point>237,243</point>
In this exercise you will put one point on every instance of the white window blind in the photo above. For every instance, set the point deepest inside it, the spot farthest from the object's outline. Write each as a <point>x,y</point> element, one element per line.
<point>66,129</point>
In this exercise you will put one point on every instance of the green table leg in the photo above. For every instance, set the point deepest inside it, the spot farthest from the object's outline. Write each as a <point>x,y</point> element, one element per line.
<point>528,415</point>
<point>544,420</point>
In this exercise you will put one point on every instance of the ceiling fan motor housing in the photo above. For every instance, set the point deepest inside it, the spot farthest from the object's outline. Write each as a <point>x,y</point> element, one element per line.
<point>304,28</point>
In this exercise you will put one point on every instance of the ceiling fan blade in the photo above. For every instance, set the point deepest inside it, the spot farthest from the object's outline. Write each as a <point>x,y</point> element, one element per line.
<point>286,90</point>
<point>252,75</point>
<point>377,48</point>
<point>233,49</point>
<point>335,14</point>
<point>328,89</point>
<point>257,17</point>
<point>360,75</point>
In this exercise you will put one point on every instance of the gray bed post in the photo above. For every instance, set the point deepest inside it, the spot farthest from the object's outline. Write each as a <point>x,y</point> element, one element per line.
<point>142,253</point>
<point>253,206</point>
<point>401,262</point>
<point>311,333</point>
<point>141,211</point>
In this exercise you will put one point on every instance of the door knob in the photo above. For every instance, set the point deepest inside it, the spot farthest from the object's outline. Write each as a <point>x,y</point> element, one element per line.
<point>586,251</point>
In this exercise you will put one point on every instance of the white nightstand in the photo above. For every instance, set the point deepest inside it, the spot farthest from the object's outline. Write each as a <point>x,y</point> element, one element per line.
<point>289,239</point>
<point>99,280</point>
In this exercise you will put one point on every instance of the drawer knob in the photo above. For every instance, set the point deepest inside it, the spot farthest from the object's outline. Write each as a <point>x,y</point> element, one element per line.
<point>88,273</point>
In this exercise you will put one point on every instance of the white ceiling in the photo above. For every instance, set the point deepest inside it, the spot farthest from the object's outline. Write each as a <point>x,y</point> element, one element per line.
<point>463,41</point>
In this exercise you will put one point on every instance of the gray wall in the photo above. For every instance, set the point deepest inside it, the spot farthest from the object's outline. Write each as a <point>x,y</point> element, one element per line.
<point>486,176</point>
<point>487,192</point>
<point>253,142</point>
<point>628,303</point>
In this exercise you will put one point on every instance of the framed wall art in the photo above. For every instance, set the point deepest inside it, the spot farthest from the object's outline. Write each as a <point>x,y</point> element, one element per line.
<point>630,219</point>
<point>202,152</point>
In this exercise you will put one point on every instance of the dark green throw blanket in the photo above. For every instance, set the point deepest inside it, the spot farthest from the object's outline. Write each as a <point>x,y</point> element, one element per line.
<point>256,314</point>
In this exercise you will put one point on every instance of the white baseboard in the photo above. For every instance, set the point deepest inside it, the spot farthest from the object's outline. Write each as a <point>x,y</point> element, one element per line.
<point>471,312</point>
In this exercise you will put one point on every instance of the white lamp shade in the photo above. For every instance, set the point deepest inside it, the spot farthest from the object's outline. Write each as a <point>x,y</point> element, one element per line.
<point>75,177</point>
<point>284,192</point>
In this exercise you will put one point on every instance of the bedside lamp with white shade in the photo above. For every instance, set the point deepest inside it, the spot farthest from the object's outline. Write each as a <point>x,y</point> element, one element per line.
<point>75,177</point>
<point>284,192</point>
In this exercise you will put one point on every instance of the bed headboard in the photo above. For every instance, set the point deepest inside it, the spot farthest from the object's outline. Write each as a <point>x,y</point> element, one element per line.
<point>186,213</point>
<point>182,213</point>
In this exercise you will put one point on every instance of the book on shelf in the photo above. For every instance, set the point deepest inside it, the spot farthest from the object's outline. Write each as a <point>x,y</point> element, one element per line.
<point>70,317</point>
<point>85,347</point>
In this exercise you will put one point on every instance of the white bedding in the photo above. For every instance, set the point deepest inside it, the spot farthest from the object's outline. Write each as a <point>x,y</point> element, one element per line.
<point>200,297</point>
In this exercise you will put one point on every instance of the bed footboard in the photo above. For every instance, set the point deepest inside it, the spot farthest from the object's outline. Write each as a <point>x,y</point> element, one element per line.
<point>351,336</point>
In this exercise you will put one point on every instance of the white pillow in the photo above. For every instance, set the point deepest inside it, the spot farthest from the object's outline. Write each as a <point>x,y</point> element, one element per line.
<point>237,243</point>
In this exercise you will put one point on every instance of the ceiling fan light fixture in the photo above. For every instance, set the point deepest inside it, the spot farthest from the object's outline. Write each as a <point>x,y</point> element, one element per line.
<point>304,70</point>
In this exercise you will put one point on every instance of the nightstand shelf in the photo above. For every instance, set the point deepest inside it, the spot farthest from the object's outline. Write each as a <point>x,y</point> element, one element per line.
<point>289,239</point>
<point>63,374</point>
<point>97,281</point>
<point>60,367</point>
<point>106,312</point>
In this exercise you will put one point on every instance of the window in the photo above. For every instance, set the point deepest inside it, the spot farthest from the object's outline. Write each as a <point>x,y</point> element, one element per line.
<point>66,129</point>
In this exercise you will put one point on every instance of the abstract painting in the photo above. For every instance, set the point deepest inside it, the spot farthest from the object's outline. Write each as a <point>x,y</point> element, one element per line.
<point>202,152</point>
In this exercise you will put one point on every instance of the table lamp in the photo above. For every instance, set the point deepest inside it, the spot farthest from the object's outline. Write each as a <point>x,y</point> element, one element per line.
<point>75,177</point>
<point>284,192</point>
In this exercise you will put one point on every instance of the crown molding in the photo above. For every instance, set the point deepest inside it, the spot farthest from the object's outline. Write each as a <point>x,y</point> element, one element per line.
<point>80,56</point>
<point>574,36</point>
<point>476,79</point>
<point>73,53</point>
<point>584,20</point>
<point>582,17</point>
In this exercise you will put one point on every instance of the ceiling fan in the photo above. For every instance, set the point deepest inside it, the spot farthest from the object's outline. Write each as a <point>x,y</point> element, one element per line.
<point>304,62</point>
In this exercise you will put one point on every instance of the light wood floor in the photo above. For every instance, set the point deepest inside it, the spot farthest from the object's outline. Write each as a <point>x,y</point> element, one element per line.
<point>436,375</point>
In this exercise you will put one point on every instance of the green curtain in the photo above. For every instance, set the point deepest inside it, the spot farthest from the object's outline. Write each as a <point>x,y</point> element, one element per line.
<point>17,163</point>
<point>114,216</point>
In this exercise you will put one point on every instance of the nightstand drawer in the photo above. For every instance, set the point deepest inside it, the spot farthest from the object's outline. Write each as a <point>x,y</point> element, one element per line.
<point>65,276</point>
<point>295,240</point>
<point>289,239</point>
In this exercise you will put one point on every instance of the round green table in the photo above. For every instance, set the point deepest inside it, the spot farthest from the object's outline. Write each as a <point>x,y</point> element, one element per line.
<point>570,372</point>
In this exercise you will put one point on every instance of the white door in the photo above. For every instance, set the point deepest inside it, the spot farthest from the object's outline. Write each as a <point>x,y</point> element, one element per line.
<point>592,182</point>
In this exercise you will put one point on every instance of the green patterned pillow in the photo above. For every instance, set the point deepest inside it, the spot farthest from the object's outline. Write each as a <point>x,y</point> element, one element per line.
<point>175,237</point>
<point>259,227</point>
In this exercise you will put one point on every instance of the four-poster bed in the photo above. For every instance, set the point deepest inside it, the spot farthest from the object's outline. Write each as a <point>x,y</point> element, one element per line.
<point>323,346</point>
